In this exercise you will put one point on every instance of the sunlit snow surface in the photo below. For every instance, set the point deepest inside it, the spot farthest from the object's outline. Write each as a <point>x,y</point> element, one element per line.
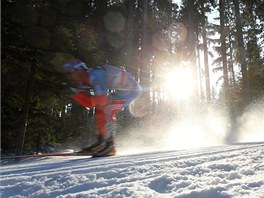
<point>218,172</point>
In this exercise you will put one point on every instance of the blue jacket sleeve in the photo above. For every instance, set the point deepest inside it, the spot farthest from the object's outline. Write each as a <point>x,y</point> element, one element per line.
<point>97,80</point>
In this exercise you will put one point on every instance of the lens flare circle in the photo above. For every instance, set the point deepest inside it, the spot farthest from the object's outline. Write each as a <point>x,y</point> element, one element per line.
<point>177,32</point>
<point>114,21</point>
<point>139,107</point>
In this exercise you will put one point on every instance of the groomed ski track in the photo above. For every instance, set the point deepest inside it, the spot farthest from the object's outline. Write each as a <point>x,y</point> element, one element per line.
<point>220,171</point>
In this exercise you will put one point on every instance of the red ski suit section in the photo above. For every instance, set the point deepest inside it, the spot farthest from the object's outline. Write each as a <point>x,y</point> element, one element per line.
<point>105,111</point>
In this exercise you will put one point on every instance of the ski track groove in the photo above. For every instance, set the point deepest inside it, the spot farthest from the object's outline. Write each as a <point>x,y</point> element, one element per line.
<point>138,179</point>
<point>124,160</point>
<point>131,170</point>
<point>124,163</point>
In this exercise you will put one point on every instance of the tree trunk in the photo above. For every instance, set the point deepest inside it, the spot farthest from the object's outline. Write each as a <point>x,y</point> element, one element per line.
<point>231,65</point>
<point>191,44</point>
<point>130,39</point>
<point>145,65</point>
<point>200,72</point>
<point>223,48</point>
<point>206,66</point>
<point>241,52</point>
<point>25,111</point>
<point>232,131</point>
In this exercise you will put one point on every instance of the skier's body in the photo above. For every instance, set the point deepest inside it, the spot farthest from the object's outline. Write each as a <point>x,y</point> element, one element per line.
<point>124,89</point>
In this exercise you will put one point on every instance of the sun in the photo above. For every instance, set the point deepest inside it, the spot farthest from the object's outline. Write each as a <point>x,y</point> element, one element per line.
<point>179,84</point>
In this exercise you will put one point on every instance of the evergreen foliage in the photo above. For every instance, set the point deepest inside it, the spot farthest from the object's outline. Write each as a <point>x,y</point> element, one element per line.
<point>146,37</point>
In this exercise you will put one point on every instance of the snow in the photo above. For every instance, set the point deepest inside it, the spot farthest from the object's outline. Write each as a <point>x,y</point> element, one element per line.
<point>215,172</point>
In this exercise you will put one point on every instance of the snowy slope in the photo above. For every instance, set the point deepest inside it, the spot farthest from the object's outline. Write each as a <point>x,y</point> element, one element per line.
<point>217,172</point>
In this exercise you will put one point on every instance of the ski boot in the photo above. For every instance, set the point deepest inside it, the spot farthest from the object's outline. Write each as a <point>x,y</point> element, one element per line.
<point>96,147</point>
<point>108,150</point>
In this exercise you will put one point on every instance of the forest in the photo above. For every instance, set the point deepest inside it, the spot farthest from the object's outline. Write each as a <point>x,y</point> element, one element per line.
<point>185,54</point>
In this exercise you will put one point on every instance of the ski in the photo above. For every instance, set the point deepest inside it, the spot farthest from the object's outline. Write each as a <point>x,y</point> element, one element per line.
<point>47,155</point>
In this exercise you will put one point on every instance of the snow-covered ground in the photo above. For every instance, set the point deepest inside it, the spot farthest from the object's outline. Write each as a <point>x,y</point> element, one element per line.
<point>215,172</point>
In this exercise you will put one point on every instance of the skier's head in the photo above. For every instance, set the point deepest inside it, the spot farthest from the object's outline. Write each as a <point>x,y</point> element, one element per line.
<point>76,70</point>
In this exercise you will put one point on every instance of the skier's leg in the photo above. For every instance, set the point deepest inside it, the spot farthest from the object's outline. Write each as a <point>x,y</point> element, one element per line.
<point>108,128</point>
<point>100,142</point>
<point>107,123</point>
<point>110,114</point>
<point>100,121</point>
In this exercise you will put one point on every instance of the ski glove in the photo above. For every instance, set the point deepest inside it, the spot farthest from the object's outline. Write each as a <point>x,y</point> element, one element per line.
<point>83,88</point>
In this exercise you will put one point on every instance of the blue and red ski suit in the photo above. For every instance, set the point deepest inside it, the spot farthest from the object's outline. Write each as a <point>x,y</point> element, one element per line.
<point>114,89</point>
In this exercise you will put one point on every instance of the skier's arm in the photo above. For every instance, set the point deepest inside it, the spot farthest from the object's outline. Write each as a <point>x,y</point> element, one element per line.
<point>101,100</point>
<point>89,101</point>
<point>97,80</point>
<point>83,99</point>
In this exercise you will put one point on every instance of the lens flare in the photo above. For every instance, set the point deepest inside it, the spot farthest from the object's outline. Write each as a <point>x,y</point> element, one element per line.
<point>114,21</point>
<point>140,107</point>
<point>177,32</point>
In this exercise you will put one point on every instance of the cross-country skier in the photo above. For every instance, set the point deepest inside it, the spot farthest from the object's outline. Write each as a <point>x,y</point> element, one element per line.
<point>109,89</point>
